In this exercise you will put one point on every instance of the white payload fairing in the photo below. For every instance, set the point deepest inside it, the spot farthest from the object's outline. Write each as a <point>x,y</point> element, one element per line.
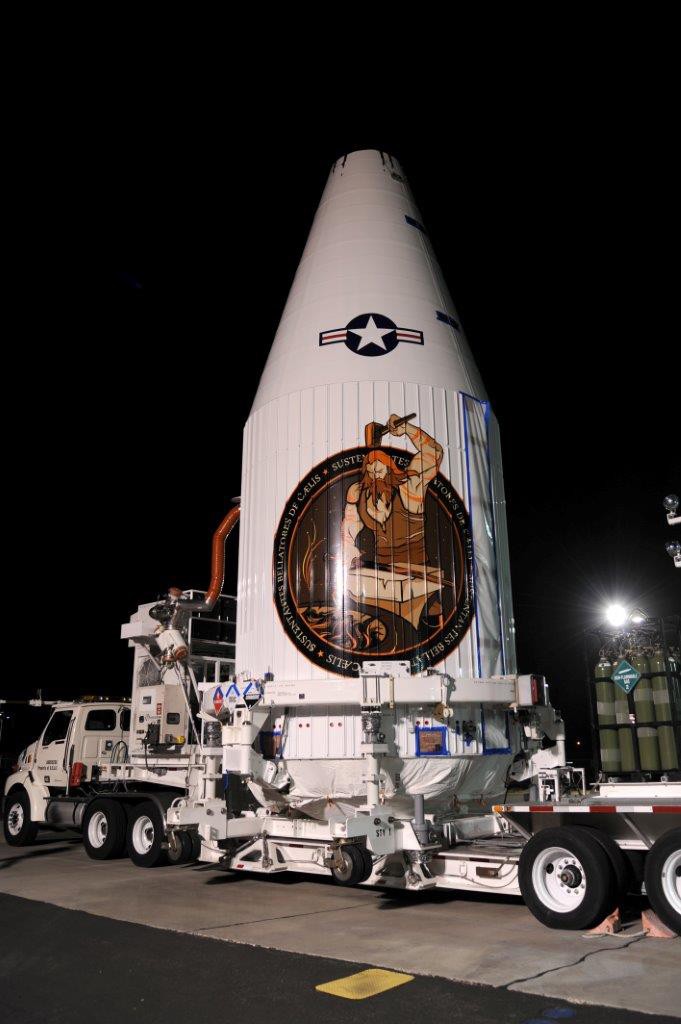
<point>373,533</point>
<point>419,568</point>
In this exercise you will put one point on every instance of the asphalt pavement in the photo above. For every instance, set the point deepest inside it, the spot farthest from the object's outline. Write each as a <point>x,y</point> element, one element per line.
<point>68,966</point>
<point>80,926</point>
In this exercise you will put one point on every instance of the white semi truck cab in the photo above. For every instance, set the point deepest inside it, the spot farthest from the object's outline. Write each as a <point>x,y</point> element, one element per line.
<point>58,773</point>
<point>112,768</point>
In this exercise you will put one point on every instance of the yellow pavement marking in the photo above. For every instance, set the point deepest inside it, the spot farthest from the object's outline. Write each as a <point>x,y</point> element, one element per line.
<point>364,984</point>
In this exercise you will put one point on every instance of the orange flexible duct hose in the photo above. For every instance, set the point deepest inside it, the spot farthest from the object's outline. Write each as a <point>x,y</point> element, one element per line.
<point>218,556</point>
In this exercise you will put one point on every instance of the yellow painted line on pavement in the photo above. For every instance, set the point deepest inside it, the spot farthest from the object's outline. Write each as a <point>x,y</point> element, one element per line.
<point>364,984</point>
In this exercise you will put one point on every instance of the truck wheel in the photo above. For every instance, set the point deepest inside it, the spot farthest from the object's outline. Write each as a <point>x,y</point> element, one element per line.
<point>145,836</point>
<point>180,847</point>
<point>663,879</point>
<point>104,830</point>
<point>18,827</point>
<point>352,868</point>
<point>624,876</point>
<point>566,879</point>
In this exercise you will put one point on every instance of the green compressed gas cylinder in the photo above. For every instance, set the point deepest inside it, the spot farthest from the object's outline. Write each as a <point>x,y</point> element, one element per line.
<point>669,758</point>
<point>646,729</point>
<point>625,732</point>
<point>611,759</point>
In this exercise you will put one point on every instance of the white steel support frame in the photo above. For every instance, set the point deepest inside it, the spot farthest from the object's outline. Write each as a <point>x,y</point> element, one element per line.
<point>634,814</point>
<point>473,853</point>
<point>483,858</point>
<point>479,853</point>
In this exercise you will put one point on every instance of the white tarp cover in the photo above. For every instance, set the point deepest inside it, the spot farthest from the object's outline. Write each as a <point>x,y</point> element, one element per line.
<point>446,783</point>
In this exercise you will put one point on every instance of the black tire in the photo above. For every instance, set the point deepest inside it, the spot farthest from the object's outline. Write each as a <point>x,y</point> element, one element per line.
<point>180,847</point>
<point>353,867</point>
<point>17,825</point>
<point>624,878</point>
<point>104,825</point>
<point>663,879</point>
<point>146,834</point>
<point>196,845</point>
<point>549,882</point>
<point>368,863</point>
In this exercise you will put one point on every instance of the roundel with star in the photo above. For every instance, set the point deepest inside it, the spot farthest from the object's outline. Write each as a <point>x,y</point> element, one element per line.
<point>371,334</point>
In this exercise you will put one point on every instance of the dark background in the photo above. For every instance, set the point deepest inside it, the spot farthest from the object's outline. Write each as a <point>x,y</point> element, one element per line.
<point>554,222</point>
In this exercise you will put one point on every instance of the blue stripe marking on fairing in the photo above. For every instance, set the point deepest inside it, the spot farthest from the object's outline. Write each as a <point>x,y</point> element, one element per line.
<point>447,319</point>
<point>470,516</point>
<point>414,223</point>
<point>487,412</point>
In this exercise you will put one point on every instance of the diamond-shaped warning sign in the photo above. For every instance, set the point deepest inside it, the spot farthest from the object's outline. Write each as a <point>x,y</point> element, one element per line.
<point>626,676</point>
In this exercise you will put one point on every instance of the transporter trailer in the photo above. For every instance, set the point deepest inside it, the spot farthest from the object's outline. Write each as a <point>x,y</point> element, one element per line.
<point>193,767</point>
<point>572,852</point>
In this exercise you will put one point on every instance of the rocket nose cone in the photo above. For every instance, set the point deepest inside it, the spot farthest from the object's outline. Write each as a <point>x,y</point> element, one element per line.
<point>369,171</point>
<point>369,159</point>
<point>368,301</point>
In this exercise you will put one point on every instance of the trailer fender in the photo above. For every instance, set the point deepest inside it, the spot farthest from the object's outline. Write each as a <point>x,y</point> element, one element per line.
<point>163,801</point>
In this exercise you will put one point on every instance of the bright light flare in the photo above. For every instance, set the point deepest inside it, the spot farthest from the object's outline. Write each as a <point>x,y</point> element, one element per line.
<point>616,614</point>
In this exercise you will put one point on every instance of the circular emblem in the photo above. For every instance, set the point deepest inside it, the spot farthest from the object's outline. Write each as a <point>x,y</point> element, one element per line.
<point>371,334</point>
<point>373,558</point>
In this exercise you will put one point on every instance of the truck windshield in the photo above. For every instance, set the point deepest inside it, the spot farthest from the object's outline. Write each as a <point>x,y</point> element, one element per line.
<point>57,727</point>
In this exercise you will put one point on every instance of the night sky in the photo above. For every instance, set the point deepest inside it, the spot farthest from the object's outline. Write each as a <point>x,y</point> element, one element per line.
<point>551,234</point>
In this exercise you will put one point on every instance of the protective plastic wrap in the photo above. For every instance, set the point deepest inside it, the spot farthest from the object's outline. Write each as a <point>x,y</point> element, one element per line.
<point>446,784</point>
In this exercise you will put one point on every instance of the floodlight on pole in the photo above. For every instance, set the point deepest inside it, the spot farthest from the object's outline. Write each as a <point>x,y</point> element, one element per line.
<point>671,507</point>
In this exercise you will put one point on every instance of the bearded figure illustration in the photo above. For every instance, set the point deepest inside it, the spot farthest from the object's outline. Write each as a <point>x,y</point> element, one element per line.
<point>390,503</point>
<point>376,553</point>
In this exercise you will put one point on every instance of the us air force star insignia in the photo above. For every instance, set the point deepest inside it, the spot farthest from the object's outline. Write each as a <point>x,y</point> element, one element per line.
<point>371,334</point>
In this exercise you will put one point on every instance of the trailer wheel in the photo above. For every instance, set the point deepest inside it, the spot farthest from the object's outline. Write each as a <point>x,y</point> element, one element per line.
<point>353,866</point>
<point>368,863</point>
<point>104,830</point>
<point>145,836</point>
<point>196,845</point>
<point>618,862</point>
<point>663,879</point>
<point>180,847</point>
<point>18,827</point>
<point>566,878</point>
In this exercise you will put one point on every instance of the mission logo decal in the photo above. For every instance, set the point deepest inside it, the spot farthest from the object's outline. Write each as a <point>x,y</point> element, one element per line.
<point>371,334</point>
<point>373,556</point>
